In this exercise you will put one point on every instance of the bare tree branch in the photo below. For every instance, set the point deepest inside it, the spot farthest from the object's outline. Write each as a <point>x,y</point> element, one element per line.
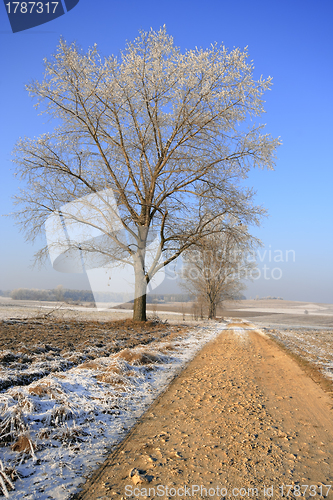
<point>171,134</point>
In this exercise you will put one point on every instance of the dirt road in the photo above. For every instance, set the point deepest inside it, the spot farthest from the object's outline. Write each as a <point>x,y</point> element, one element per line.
<point>242,420</point>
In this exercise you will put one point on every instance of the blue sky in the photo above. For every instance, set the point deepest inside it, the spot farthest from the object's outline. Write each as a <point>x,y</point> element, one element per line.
<point>291,41</point>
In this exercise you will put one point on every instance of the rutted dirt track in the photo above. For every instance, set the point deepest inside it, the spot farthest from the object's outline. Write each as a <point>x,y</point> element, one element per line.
<point>242,414</point>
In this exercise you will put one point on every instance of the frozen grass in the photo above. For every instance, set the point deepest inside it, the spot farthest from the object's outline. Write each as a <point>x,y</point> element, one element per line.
<point>313,345</point>
<point>7,476</point>
<point>12,422</point>
<point>39,348</point>
<point>55,430</point>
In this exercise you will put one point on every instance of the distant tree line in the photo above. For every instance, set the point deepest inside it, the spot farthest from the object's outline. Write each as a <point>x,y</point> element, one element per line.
<point>56,294</point>
<point>175,297</point>
<point>268,298</point>
<point>60,294</point>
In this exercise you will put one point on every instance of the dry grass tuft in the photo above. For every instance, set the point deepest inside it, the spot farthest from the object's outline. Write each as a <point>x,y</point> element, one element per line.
<point>138,358</point>
<point>114,375</point>
<point>24,445</point>
<point>114,368</point>
<point>11,425</point>
<point>168,347</point>
<point>24,350</point>
<point>46,388</point>
<point>90,365</point>
<point>112,379</point>
<point>175,334</point>
<point>110,375</point>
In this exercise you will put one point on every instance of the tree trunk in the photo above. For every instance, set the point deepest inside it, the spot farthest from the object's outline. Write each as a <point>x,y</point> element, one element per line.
<point>212,310</point>
<point>139,310</point>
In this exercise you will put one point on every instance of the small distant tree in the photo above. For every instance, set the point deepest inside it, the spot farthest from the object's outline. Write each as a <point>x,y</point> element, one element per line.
<point>216,266</point>
<point>170,133</point>
<point>195,310</point>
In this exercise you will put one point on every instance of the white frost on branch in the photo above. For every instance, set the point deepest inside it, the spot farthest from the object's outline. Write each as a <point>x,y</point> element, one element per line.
<point>172,134</point>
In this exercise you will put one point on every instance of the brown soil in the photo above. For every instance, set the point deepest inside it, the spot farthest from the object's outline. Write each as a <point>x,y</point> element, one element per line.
<point>24,344</point>
<point>22,335</point>
<point>242,414</point>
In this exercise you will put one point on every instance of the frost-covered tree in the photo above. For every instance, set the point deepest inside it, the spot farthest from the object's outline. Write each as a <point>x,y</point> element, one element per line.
<point>216,266</point>
<point>171,133</point>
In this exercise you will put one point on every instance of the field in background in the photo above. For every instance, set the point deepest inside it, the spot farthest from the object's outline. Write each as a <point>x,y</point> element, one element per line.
<point>283,312</point>
<point>266,312</point>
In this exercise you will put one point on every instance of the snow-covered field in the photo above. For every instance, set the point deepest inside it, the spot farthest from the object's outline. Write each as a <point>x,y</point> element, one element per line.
<point>55,430</point>
<point>314,345</point>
